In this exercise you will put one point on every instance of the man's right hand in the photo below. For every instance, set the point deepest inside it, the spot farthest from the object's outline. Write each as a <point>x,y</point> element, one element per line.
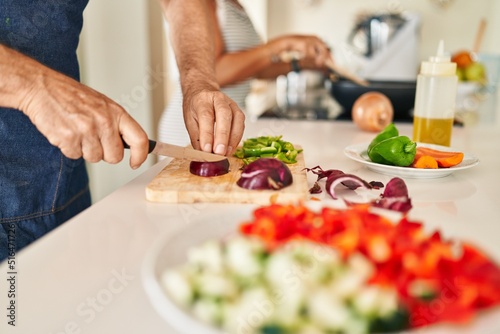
<point>214,122</point>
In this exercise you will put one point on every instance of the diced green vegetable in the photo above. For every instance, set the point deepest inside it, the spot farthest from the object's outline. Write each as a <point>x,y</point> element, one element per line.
<point>267,147</point>
<point>273,329</point>
<point>394,322</point>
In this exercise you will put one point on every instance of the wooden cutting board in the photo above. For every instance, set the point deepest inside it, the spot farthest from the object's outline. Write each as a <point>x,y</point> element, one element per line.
<point>175,184</point>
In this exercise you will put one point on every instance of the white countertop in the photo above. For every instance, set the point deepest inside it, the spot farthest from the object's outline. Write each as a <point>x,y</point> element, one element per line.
<point>84,277</point>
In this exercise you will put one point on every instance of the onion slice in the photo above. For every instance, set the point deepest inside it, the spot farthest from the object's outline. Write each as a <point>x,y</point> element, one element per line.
<point>207,169</point>
<point>350,181</point>
<point>395,196</point>
<point>315,189</point>
<point>265,173</point>
<point>323,173</point>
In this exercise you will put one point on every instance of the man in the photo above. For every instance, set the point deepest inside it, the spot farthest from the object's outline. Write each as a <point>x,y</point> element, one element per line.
<point>192,37</point>
<point>50,123</point>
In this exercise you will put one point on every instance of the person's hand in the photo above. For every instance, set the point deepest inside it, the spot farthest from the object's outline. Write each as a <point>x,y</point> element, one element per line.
<point>309,48</point>
<point>214,122</point>
<point>81,121</point>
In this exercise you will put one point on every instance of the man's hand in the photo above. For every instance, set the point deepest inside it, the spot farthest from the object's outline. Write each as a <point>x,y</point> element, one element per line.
<point>84,123</point>
<point>204,109</point>
<point>214,122</point>
<point>79,120</point>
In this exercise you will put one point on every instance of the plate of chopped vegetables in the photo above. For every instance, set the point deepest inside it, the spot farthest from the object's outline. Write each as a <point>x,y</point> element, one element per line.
<point>358,152</point>
<point>302,269</point>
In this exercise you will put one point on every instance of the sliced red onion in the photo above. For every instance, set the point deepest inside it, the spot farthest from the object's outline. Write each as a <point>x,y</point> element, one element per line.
<point>395,196</point>
<point>206,169</point>
<point>352,180</point>
<point>265,173</point>
<point>396,187</point>
<point>376,184</point>
<point>323,173</point>
<point>353,185</point>
<point>400,204</point>
<point>315,189</point>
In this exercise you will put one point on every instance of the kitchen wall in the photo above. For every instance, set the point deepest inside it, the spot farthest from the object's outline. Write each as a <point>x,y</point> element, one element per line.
<point>333,20</point>
<point>457,25</point>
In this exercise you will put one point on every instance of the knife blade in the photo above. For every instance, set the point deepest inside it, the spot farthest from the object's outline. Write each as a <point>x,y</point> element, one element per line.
<point>179,152</point>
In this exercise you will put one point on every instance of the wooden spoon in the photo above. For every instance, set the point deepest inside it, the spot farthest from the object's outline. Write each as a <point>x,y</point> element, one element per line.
<point>340,71</point>
<point>479,36</point>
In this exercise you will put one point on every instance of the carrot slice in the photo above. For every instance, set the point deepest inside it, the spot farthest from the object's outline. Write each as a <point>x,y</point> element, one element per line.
<point>444,158</point>
<point>425,161</point>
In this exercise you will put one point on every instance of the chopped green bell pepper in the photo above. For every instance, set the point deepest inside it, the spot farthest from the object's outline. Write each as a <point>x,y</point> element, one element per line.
<point>396,151</point>
<point>267,147</point>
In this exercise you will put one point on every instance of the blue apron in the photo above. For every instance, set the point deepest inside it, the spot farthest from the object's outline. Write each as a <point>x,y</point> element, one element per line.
<point>39,187</point>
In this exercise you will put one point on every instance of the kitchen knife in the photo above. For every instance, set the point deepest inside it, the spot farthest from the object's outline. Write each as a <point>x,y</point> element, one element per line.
<point>179,152</point>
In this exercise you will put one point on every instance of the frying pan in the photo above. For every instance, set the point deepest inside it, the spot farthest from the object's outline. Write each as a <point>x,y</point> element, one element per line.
<point>401,94</point>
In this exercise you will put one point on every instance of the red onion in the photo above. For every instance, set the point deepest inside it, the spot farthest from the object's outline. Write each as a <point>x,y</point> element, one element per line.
<point>315,189</point>
<point>395,196</point>
<point>213,168</point>
<point>323,173</point>
<point>376,184</point>
<point>396,187</point>
<point>336,176</point>
<point>350,181</point>
<point>265,173</point>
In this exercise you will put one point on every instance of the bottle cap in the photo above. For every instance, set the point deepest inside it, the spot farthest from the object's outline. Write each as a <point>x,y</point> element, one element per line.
<point>440,64</point>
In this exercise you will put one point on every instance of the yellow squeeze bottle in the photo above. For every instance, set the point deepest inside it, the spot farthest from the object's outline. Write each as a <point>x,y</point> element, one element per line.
<point>435,97</point>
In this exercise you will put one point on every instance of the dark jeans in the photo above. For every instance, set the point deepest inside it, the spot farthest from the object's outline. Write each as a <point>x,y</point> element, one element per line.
<point>16,235</point>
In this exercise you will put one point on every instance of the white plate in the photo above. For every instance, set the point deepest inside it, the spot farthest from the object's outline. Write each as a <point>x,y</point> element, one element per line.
<point>358,153</point>
<point>171,250</point>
